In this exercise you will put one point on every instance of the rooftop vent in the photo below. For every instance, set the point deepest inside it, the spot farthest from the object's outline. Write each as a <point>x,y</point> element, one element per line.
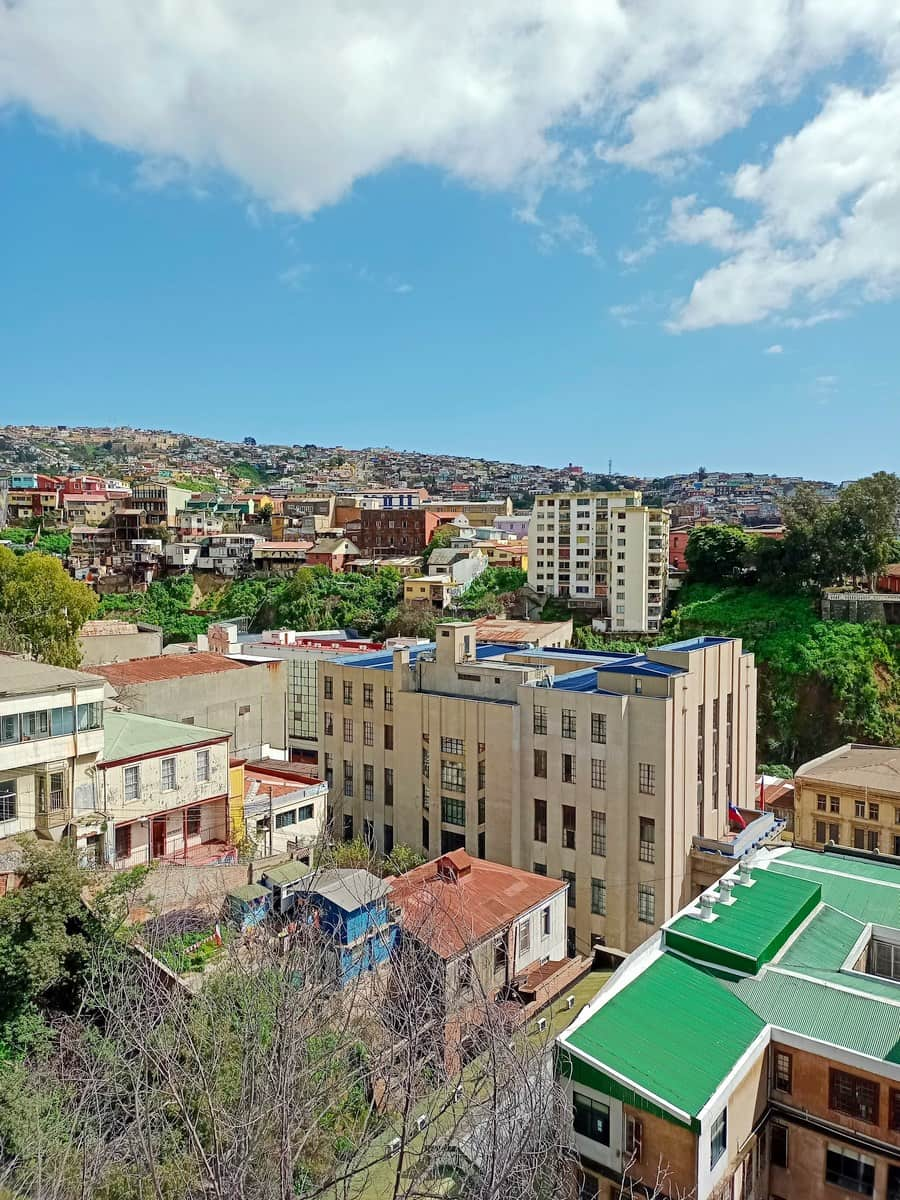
<point>706,908</point>
<point>726,887</point>
<point>745,879</point>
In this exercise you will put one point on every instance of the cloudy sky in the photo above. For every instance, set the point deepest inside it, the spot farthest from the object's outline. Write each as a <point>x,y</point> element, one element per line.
<point>549,230</point>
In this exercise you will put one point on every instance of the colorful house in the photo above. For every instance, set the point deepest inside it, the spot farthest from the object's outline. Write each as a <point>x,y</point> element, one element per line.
<point>351,908</point>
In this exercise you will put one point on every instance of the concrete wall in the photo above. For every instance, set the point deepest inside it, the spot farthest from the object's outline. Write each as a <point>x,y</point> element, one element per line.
<point>100,649</point>
<point>249,704</point>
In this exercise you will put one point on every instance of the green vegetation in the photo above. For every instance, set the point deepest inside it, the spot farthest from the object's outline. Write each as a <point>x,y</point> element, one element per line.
<point>440,539</point>
<point>47,543</point>
<point>492,591</point>
<point>245,470</point>
<point>184,952</point>
<point>42,608</point>
<point>166,603</point>
<point>821,682</point>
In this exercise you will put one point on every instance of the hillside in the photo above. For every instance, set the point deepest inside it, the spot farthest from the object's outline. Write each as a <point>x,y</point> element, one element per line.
<point>820,683</point>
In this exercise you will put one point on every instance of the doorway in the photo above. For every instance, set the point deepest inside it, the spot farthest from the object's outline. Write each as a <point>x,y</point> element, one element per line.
<point>159,837</point>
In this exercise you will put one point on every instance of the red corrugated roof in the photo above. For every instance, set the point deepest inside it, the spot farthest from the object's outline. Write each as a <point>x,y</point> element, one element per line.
<point>457,901</point>
<point>169,666</point>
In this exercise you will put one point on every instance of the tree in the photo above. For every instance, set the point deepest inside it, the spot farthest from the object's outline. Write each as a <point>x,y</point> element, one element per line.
<point>265,510</point>
<point>718,552</point>
<point>43,607</point>
<point>411,620</point>
<point>440,539</point>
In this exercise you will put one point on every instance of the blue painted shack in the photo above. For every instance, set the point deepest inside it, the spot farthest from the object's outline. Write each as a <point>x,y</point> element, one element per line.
<point>352,909</point>
<point>248,906</point>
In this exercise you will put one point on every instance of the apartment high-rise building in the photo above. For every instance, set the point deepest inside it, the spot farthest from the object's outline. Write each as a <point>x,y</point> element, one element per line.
<point>593,768</point>
<point>602,550</point>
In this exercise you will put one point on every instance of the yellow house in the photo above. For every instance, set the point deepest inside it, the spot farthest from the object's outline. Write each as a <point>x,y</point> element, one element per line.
<point>429,590</point>
<point>236,822</point>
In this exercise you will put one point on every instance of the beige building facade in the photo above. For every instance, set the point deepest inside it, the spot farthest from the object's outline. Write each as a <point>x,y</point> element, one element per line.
<point>593,768</point>
<point>603,550</point>
<point>850,797</point>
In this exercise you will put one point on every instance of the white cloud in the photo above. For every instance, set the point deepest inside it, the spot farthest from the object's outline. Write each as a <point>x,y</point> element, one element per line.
<point>828,221</point>
<point>829,314</point>
<point>567,229</point>
<point>774,349</point>
<point>625,314</point>
<point>295,277</point>
<point>296,102</point>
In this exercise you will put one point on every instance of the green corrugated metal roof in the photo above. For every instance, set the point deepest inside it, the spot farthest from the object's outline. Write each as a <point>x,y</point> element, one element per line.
<point>824,943</point>
<point>674,1031</point>
<point>126,735</point>
<point>288,872</point>
<point>843,1018</point>
<point>249,891</point>
<point>756,925</point>
<point>871,898</point>
<point>846,864</point>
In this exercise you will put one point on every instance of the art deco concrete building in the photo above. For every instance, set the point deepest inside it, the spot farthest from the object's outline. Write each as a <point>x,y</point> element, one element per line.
<point>598,769</point>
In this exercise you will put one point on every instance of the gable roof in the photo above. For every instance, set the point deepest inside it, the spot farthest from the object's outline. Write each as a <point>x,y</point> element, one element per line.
<point>456,901</point>
<point>132,735</point>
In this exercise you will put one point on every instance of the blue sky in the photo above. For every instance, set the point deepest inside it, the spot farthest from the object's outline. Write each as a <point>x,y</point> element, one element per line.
<point>679,276</point>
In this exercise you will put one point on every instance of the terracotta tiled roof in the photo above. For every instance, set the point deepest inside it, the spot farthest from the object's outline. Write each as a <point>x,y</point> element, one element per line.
<point>175,666</point>
<point>457,901</point>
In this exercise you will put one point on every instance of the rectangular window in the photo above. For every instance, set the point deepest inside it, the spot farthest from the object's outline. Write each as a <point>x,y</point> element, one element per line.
<point>539,868</point>
<point>368,782</point>
<point>873,812</point>
<point>348,778</point>
<point>718,1137</point>
<point>35,725</point>
<point>568,826</point>
<point>568,723</point>
<point>388,737</point>
<point>646,903</point>
<point>540,764</point>
<point>453,775</point>
<point>368,695</point>
<point>598,834</point>
<point>834,804</point>
<point>453,810</point>
<point>482,775</point>
<point>90,717</point>
<point>192,820</point>
<point>348,729</point>
<point>821,802</point>
<point>778,1145</point>
<point>545,922</point>
<point>568,768</point>
<point>388,699</point>
<point>123,841</point>
<point>305,812</point>
<point>590,1118</point>
<point>634,1139</point>
<point>853,1096</point>
<point>540,820</point>
<point>850,1170</point>
<point>822,831</point>
<point>598,773</point>
<point>647,779</point>
<point>329,724</point>
<point>62,721</point>
<point>348,692</point>
<point>328,687</point>
<point>348,827</point>
<point>167,774</point>
<point>132,783</point>
<point>426,762</point>
<point>569,878</point>
<point>525,936</point>
<point>368,733</point>
<point>451,745</point>
<point>598,897</point>
<point>329,769</point>
<point>598,728</point>
<point>783,1071</point>
<point>647,848</point>
<point>9,728</point>
<point>202,766</point>
<point>859,808</point>
<point>388,786</point>
<point>8,809</point>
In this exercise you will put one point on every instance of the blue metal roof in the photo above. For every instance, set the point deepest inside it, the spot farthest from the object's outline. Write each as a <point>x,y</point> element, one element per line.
<point>696,643</point>
<point>642,666</point>
<point>382,660</point>
<point>578,681</point>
